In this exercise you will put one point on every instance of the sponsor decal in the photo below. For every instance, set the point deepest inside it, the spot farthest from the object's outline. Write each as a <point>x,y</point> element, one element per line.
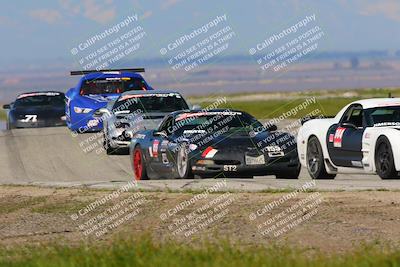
<point>273,149</point>
<point>194,131</point>
<point>155,148</point>
<point>331,138</point>
<point>140,136</point>
<point>125,97</point>
<point>209,152</point>
<point>337,140</point>
<point>151,152</point>
<point>200,114</point>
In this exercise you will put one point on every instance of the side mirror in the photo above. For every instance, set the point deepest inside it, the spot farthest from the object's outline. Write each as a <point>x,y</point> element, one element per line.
<point>272,128</point>
<point>7,106</point>
<point>162,134</point>
<point>349,125</point>
<point>100,112</point>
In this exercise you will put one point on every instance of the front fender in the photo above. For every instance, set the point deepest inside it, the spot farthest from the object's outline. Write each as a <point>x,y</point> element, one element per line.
<point>317,128</point>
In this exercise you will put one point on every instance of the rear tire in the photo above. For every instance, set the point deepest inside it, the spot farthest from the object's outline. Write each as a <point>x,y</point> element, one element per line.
<point>183,167</point>
<point>138,164</point>
<point>384,160</point>
<point>292,173</point>
<point>315,160</point>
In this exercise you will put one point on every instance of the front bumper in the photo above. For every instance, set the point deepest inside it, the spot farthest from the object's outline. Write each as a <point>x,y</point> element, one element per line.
<point>39,124</point>
<point>119,138</point>
<point>235,165</point>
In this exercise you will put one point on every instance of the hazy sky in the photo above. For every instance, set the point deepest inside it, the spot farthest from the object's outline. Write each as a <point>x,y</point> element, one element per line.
<point>49,29</point>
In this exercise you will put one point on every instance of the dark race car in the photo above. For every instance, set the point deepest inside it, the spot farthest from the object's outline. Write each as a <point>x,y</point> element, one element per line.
<point>213,143</point>
<point>36,109</point>
<point>134,111</point>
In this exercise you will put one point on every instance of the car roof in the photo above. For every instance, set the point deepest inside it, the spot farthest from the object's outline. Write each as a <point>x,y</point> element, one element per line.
<point>142,92</point>
<point>378,102</point>
<point>40,92</point>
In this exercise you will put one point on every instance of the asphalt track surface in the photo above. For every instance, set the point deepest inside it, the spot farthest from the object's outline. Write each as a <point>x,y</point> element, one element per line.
<point>54,157</point>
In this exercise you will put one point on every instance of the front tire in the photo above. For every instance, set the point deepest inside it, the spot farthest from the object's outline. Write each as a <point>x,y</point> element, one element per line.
<point>384,160</point>
<point>138,164</point>
<point>183,162</point>
<point>315,160</point>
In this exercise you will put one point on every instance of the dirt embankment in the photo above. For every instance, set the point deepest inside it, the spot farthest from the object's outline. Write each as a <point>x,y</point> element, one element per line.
<point>331,221</point>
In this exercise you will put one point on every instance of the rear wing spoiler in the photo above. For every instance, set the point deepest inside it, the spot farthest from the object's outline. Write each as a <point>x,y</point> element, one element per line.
<point>309,118</point>
<point>83,72</point>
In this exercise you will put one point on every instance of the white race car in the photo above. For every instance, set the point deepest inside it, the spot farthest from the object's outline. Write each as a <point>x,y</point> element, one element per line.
<point>364,137</point>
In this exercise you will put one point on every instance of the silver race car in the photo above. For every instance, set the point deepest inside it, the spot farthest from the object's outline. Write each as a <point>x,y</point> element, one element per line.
<point>134,111</point>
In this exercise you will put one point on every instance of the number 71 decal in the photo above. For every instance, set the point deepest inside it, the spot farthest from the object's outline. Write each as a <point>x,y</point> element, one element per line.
<point>337,139</point>
<point>29,118</point>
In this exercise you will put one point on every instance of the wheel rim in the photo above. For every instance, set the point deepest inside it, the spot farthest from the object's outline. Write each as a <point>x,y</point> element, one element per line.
<point>137,164</point>
<point>182,162</point>
<point>384,158</point>
<point>313,158</point>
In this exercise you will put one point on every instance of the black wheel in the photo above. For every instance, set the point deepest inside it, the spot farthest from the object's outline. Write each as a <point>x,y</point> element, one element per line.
<point>183,167</point>
<point>384,161</point>
<point>292,173</point>
<point>138,164</point>
<point>315,160</point>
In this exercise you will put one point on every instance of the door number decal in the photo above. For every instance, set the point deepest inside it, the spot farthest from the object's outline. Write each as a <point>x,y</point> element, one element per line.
<point>337,140</point>
<point>155,148</point>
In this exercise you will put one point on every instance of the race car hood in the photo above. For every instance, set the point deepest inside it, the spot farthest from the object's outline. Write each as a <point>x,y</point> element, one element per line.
<point>103,98</point>
<point>143,121</point>
<point>243,142</point>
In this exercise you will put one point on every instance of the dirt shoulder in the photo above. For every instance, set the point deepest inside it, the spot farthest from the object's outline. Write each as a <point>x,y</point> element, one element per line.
<point>330,221</point>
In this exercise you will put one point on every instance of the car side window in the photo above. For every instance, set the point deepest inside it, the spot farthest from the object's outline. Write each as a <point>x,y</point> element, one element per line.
<point>354,115</point>
<point>166,124</point>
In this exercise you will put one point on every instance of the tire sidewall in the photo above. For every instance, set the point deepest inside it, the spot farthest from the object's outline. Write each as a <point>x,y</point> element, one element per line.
<point>183,146</point>
<point>390,174</point>
<point>320,156</point>
<point>144,173</point>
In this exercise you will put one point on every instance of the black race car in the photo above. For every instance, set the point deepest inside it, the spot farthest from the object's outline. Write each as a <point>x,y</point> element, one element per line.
<point>213,143</point>
<point>36,109</point>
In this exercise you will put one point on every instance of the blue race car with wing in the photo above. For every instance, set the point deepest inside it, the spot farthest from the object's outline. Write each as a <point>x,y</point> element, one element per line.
<point>94,91</point>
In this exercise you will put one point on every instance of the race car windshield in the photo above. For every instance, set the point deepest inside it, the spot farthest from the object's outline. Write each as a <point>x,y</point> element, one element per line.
<point>40,100</point>
<point>226,121</point>
<point>146,104</point>
<point>112,86</point>
<point>384,116</point>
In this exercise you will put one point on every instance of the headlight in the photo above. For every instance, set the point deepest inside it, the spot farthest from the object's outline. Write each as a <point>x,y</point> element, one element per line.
<point>82,110</point>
